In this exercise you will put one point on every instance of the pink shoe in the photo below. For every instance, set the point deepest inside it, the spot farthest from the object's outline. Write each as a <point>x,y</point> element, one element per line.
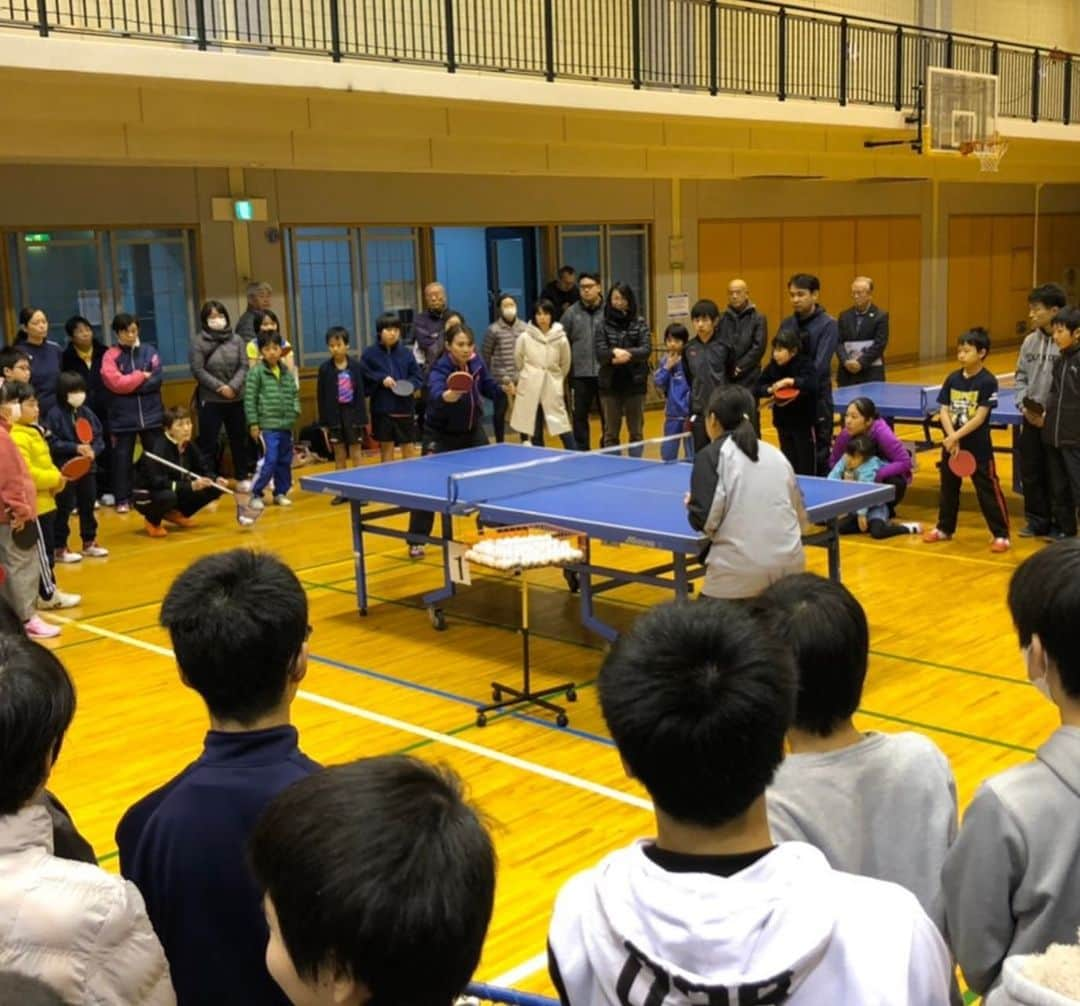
<point>1000,545</point>
<point>38,628</point>
<point>935,534</point>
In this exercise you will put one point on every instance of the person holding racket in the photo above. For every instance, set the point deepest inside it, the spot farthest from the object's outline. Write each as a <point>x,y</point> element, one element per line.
<point>75,433</point>
<point>454,412</point>
<point>396,381</point>
<point>967,398</point>
<point>341,387</point>
<point>790,381</point>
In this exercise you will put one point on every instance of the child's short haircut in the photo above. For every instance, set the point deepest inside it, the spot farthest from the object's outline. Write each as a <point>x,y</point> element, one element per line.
<point>698,700</point>
<point>9,392</point>
<point>23,390</point>
<point>264,339</point>
<point>388,319</point>
<point>804,281</point>
<point>977,337</point>
<point>69,382</point>
<point>174,414</point>
<point>862,445</point>
<point>1044,599</point>
<point>26,991</point>
<point>122,322</point>
<point>337,332</point>
<point>455,330</point>
<point>238,621</point>
<point>677,332</point>
<point>705,309</point>
<point>1069,319</point>
<point>11,356</point>
<point>1049,295</point>
<point>258,317</point>
<point>74,322</point>
<point>589,274</point>
<point>37,705</point>
<point>788,339</point>
<point>826,629</point>
<point>379,871</point>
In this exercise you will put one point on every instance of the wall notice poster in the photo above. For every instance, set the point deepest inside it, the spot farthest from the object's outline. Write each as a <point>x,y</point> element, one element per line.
<point>678,305</point>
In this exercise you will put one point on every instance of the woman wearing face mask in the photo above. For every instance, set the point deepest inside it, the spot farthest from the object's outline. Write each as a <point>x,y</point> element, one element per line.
<point>219,362</point>
<point>623,345</point>
<point>498,353</point>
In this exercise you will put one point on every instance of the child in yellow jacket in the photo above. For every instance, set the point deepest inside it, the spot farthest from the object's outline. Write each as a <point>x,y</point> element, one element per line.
<point>30,440</point>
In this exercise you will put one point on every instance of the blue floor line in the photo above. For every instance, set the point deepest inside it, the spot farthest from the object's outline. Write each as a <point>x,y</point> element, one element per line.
<point>416,686</point>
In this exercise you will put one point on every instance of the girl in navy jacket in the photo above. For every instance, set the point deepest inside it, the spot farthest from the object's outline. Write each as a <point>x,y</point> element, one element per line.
<point>393,417</point>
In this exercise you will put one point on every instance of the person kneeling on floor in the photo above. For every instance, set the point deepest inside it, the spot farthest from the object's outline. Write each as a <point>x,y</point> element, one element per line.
<point>163,493</point>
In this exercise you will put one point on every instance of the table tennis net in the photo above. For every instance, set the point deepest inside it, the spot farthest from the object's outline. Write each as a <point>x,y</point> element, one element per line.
<point>467,490</point>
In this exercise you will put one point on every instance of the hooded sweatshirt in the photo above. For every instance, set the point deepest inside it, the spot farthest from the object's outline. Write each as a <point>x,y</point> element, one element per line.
<point>1035,366</point>
<point>786,929</point>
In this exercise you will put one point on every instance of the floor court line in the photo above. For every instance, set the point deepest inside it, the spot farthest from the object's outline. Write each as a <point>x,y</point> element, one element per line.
<point>391,722</point>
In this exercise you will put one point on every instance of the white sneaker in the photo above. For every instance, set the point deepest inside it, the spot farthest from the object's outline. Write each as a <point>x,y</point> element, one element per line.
<point>913,527</point>
<point>243,486</point>
<point>66,555</point>
<point>59,600</point>
<point>38,628</point>
<point>108,499</point>
<point>257,503</point>
<point>283,501</point>
<point>95,551</point>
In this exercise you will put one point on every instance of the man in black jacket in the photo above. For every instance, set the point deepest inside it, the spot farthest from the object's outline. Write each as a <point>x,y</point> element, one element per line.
<point>746,330</point>
<point>864,334</point>
<point>1061,426</point>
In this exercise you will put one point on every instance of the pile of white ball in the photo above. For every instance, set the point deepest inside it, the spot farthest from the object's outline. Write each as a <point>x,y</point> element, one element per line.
<point>524,552</point>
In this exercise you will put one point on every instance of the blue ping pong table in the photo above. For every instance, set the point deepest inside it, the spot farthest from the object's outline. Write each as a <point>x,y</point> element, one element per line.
<point>608,497</point>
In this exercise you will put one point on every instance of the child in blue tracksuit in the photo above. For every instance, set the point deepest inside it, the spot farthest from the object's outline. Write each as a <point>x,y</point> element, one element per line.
<point>859,463</point>
<point>671,381</point>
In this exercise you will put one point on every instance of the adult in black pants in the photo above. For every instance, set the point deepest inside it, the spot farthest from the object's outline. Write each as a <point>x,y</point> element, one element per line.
<point>452,420</point>
<point>623,345</point>
<point>582,321</point>
<point>707,362</point>
<point>864,334</point>
<point>219,364</point>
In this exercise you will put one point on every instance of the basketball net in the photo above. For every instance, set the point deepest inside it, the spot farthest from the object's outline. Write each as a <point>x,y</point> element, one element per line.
<point>989,151</point>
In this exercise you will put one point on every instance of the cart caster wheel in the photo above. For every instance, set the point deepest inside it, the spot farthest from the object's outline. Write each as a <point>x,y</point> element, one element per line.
<point>562,720</point>
<point>496,695</point>
<point>571,694</point>
<point>438,619</point>
<point>573,581</point>
<point>481,720</point>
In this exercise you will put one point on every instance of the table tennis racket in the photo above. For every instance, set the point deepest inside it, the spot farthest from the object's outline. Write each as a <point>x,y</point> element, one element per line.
<point>460,380</point>
<point>84,430</point>
<point>403,388</point>
<point>76,468</point>
<point>962,464</point>
<point>785,395</point>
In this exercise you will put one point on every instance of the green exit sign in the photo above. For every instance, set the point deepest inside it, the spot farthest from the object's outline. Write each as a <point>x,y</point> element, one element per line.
<point>243,209</point>
<point>37,239</point>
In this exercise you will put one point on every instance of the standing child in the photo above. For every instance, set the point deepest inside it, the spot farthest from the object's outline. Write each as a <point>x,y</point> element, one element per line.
<point>1061,427</point>
<point>272,405</point>
<point>131,372</point>
<point>18,507</point>
<point>65,444</point>
<point>14,364</point>
<point>793,418</point>
<point>83,356</point>
<point>340,397</point>
<point>967,397</point>
<point>671,381</point>
<point>393,417</point>
<point>860,463</point>
<point>30,440</point>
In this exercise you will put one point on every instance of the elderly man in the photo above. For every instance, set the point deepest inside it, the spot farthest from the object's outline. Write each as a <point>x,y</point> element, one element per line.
<point>427,327</point>
<point>259,296</point>
<point>864,334</point>
<point>745,329</point>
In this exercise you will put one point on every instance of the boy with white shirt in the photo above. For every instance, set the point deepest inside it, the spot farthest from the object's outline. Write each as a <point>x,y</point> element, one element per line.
<point>698,700</point>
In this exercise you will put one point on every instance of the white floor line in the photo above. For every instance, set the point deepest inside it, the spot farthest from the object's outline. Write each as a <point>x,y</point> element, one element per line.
<point>395,724</point>
<point>526,969</point>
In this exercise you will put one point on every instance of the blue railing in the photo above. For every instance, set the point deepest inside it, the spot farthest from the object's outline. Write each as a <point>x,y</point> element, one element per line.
<point>754,47</point>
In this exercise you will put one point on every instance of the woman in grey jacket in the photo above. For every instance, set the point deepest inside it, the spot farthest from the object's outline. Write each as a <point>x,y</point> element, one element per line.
<point>497,353</point>
<point>219,364</point>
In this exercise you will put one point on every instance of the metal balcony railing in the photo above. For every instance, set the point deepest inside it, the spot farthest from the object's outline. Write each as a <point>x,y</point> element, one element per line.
<point>747,47</point>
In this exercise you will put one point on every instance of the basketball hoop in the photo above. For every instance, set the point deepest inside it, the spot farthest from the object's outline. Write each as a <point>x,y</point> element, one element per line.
<point>989,151</point>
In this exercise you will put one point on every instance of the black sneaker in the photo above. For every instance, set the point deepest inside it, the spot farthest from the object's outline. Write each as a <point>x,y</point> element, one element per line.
<point>1055,535</point>
<point>1028,531</point>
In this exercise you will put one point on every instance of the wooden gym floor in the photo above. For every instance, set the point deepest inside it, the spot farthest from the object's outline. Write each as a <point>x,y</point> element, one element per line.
<point>945,662</point>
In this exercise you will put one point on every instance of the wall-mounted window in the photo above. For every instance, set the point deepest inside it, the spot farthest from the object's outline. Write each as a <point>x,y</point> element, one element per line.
<point>98,273</point>
<point>619,252</point>
<point>349,276</point>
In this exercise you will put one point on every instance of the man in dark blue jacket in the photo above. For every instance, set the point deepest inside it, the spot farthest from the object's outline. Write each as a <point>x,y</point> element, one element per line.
<point>819,334</point>
<point>239,625</point>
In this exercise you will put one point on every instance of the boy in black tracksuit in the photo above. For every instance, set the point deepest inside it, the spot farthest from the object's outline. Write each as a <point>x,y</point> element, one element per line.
<point>794,420</point>
<point>340,396</point>
<point>1061,429</point>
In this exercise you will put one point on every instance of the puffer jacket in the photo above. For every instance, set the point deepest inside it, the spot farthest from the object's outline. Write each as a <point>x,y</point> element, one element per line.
<point>271,402</point>
<point>581,324</point>
<point>543,361</point>
<point>35,451</point>
<point>79,929</point>
<point>219,359</point>
<point>1062,425</point>
<point>132,375</point>
<point>497,350</point>
<point>631,334</point>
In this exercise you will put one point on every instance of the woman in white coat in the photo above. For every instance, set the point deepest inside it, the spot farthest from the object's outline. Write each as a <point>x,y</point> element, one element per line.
<point>542,355</point>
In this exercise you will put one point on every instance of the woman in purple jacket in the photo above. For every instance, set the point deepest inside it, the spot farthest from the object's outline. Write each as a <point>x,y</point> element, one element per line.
<point>862,418</point>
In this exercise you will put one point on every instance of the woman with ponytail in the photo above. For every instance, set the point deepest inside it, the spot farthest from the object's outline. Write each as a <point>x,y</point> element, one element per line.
<point>744,497</point>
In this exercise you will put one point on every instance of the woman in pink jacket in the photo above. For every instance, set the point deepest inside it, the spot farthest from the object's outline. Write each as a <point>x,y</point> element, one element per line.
<point>82,931</point>
<point>862,418</point>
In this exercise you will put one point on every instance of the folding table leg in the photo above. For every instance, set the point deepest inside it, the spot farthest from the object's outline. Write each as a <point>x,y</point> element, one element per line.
<point>359,567</point>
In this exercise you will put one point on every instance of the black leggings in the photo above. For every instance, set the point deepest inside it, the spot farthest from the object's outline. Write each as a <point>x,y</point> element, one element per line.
<point>877,528</point>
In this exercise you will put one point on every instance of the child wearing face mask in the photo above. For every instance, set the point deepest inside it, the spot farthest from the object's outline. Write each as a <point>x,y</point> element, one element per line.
<point>64,445</point>
<point>18,507</point>
<point>497,352</point>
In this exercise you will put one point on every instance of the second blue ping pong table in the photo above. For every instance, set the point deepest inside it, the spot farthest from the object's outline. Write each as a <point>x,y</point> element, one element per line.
<point>609,497</point>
